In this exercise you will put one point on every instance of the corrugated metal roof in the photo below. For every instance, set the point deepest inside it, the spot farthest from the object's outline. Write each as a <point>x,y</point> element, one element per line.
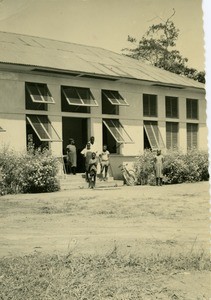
<point>65,56</point>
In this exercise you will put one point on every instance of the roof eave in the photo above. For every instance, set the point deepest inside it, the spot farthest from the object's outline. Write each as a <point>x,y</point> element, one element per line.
<point>82,74</point>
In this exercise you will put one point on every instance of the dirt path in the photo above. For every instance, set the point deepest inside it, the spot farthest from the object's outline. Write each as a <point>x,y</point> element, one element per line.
<point>138,220</point>
<point>93,221</point>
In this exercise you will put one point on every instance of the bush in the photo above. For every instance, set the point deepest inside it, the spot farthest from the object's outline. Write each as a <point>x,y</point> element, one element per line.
<point>32,172</point>
<point>175,167</point>
<point>178,167</point>
<point>144,168</point>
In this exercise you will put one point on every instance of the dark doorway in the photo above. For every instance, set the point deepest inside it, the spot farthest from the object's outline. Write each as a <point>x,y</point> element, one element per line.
<point>75,128</point>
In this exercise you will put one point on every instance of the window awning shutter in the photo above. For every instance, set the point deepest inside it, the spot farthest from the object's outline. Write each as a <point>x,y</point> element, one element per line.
<point>192,108</point>
<point>79,96</point>
<point>117,131</point>
<point>154,135</point>
<point>171,107</point>
<point>43,128</point>
<point>192,136</point>
<point>114,97</point>
<point>39,93</point>
<point>171,135</point>
<point>149,105</point>
<point>2,130</point>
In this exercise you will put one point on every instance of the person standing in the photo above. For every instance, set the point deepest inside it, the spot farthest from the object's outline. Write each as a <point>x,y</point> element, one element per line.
<point>72,156</point>
<point>92,170</point>
<point>93,145</point>
<point>87,153</point>
<point>104,161</point>
<point>95,149</point>
<point>158,164</point>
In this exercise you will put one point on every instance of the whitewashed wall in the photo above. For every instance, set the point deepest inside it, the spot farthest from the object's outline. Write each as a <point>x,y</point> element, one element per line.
<point>12,110</point>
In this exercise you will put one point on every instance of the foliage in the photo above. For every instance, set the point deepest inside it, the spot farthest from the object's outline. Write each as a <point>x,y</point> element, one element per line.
<point>98,277</point>
<point>157,47</point>
<point>31,172</point>
<point>191,167</point>
<point>144,168</point>
<point>178,167</point>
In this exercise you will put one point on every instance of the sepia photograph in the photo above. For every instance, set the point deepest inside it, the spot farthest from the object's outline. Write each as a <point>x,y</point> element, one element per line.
<point>104,150</point>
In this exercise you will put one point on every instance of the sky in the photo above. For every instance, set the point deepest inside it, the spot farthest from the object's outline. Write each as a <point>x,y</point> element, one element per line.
<point>106,23</point>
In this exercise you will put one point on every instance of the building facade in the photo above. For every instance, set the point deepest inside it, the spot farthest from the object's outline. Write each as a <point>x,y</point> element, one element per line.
<point>51,91</point>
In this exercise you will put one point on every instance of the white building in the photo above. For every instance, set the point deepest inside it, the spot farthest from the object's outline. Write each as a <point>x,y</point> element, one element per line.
<point>52,90</point>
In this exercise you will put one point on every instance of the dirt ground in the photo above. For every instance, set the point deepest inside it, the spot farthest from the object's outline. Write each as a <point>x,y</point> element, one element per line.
<point>137,220</point>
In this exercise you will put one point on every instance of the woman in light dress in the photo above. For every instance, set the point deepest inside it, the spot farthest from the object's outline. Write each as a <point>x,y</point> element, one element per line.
<point>158,165</point>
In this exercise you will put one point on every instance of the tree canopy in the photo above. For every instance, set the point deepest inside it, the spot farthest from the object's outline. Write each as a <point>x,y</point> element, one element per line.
<point>158,47</point>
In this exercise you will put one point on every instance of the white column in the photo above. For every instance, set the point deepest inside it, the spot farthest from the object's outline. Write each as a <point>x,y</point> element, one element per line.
<point>97,131</point>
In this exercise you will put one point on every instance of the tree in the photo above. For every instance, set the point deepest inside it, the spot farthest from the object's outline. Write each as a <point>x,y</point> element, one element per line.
<point>157,47</point>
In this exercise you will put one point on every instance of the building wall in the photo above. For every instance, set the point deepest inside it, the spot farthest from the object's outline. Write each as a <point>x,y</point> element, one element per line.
<point>13,112</point>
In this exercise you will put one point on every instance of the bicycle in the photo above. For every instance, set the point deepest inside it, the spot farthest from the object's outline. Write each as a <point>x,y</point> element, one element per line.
<point>128,174</point>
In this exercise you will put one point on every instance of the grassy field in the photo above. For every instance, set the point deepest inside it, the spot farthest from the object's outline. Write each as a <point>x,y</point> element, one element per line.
<point>123,243</point>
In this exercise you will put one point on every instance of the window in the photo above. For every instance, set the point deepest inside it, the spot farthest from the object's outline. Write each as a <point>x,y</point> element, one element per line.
<point>152,136</point>
<point>114,134</point>
<point>111,100</point>
<point>114,97</point>
<point>171,107</point>
<point>37,96</point>
<point>117,130</point>
<point>171,135</point>
<point>77,99</point>
<point>150,105</point>
<point>43,128</point>
<point>192,108</point>
<point>192,136</point>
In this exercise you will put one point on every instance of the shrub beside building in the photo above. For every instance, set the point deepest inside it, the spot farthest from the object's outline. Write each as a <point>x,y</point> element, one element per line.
<point>33,171</point>
<point>178,167</point>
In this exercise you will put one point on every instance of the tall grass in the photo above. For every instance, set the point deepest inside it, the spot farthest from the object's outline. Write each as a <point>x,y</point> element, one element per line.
<point>110,276</point>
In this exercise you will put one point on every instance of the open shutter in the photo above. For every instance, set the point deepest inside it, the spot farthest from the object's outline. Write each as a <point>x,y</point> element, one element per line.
<point>43,128</point>
<point>154,135</point>
<point>114,97</point>
<point>117,131</point>
<point>79,96</point>
<point>39,93</point>
<point>2,130</point>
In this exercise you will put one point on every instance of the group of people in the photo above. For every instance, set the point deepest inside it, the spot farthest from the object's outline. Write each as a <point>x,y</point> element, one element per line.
<point>91,157</point>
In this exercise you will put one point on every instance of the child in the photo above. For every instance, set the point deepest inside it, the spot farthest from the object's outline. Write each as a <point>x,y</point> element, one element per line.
<point>92,170</point>
<point>158,165</point>
<point>87,153</point>
<point>104,161</point>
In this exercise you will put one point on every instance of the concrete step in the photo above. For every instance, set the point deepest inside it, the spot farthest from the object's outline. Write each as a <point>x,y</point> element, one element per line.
<point>107,184</point>
<point>70,182</point>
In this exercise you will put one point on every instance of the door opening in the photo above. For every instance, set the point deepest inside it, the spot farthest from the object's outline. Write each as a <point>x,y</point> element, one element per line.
<point>75,128</point>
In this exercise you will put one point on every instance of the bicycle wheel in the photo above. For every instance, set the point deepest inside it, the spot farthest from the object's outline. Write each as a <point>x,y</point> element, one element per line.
<point>130,177</point>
